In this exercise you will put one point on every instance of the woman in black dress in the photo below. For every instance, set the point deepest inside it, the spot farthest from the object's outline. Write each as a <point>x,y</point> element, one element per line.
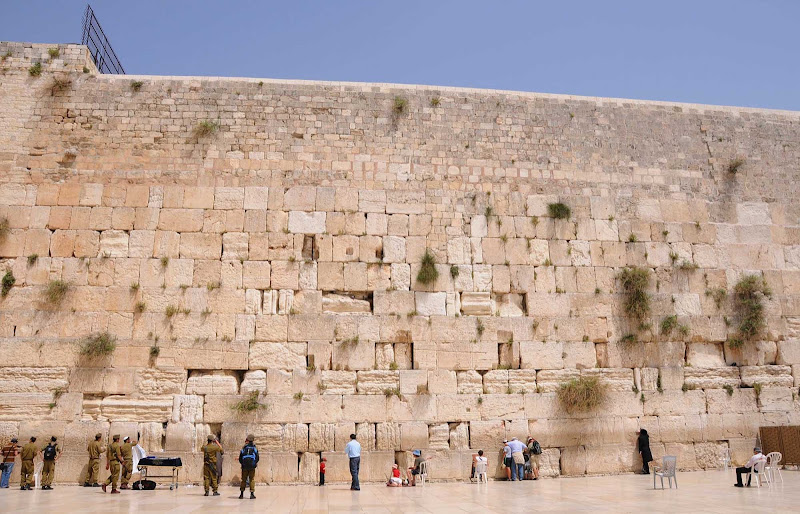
<point>643,444</point>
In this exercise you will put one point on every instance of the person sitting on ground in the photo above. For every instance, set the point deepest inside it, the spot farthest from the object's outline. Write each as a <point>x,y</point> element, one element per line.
<point>395,480</point>
<point>756,458</point>
<point>412,473</point>
<point>507,460</point>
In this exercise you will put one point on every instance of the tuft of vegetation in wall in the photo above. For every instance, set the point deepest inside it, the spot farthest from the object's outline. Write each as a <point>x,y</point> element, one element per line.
<point>53,52</point>
<point>634,282</point>
<point>249,404</point>
<point>748,301</point>
<point>205,128</point>
<point>735,164</point>
<point>558,211</point>
<point>55,292</point>
<point>98,345</point>
<point>5,228</point>
<point>35,70</point>
<point>582,394</point>
<point>8,282</point>
<point>399,106</point>
<point>427,271</point>
<point>136,85</point>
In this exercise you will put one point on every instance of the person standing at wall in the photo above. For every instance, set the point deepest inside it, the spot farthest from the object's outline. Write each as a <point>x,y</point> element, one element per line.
<point>518,459</point>
<point>248,458</point>
<point>210,451</point>
<point>113,462</point>
<point>50,454</point>
<point>507,460</point>
<point>29,451</point>
<point>534,451</point>
<point>353,451</point>
<point>95,449</point>
<point>126,450</point>
<point>322,462</point>
<point>643,445</point>
<point>9,453</point>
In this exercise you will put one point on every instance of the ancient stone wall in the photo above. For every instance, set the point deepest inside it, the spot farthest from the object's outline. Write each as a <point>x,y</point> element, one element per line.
<point>238,235</point>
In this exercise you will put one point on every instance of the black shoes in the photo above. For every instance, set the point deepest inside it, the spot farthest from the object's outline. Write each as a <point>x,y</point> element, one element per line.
<point>216,493</point>
<point>738,485</point>
<point>206,493</point>
<point>252,496</point>
<point>241,495</point>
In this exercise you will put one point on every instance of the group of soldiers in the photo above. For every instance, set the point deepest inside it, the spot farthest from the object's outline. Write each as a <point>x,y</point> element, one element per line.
<point>119,463</point>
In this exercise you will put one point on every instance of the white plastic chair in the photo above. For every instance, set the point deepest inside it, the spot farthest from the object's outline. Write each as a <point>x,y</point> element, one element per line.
<point>773,464</point>
<point>423,472</point>
<point>669,465</point>
<point>37,475</point>
<point>757,471</point>
<point>481,471</point>
<point>725,458</point>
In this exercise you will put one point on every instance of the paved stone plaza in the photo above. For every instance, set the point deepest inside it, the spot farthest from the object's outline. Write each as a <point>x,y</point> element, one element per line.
<point>709,491</point>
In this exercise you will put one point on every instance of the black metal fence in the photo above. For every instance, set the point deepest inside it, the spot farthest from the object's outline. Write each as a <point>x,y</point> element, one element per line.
<point>99,46</point>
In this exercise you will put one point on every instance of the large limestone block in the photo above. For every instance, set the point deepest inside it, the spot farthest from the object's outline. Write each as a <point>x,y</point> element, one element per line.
<point>705,355</point>
<point>22,406</point>
<point>212,382</point>
<point>321,437</point>
<point>767,376</point>
<point>503,406</point>
<point>341,304</point>
<point>387,436</point>
<point>486,435</point>
<point>611,459</point>
<point>365,433</point>
<point>431,304</point>
<point>741,401</point>
<point>23,380</point>
<point>707,454</point>
<point>469,382</point>
<point>641,355</point>
<point>573,460</point>
<point>548,381</point>
<point>378,382</point>
<point>338,382</point>
<point>674,403</point>
<point>616,379</point>
<point>459,436</point>
<point>687,460</point>
<point>476,304</point>
<point>413,436</point>
<point>119,408</point>
<point>442,381</point>
<point>306,222</point>
<point>522,380</point>
<point>541,355</point>
<point>711,378</point>
<point>363,408</point>
<point>160,381</point>
<point>789,352</point>
<point>756,353</point>
<point>278,355</point>
<point>777,399</point>
<point>353,354</point>
<point>187,408</point>
<point>309,468</point>
<point>412,408</point>
<point>254,380</point>
<point>393,302</point>
<point>414,381</point>
<point>496,381</point>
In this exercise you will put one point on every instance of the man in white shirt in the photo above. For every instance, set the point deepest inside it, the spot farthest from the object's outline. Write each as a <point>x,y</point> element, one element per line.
<point>517,459</point>
<point>757,456</point>
<point>353,451</point>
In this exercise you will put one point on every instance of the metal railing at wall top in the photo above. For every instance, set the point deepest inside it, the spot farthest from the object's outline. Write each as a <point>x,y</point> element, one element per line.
<point>99,46</point>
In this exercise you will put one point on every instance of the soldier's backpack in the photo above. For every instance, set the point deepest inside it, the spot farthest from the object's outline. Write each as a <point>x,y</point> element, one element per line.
<point>144,485</point>
<point>537,448</point>
<point>248,457</point>
<point>50,452</point>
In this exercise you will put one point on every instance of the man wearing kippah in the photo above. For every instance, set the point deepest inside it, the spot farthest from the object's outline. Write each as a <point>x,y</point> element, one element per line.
<point>756,458</point>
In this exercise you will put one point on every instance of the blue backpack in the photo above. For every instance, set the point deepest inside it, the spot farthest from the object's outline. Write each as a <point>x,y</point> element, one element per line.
<point>248,457</point>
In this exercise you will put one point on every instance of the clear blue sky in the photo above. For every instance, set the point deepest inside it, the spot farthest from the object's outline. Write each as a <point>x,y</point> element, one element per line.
<point>729,52</point>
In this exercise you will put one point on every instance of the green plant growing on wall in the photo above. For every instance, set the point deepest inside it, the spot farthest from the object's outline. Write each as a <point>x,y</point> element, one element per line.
<point>98,345</point>
<point>32,258</point>
<point>735,164</point>
<point>427,271</point>
<point>399,105</point>
<point>35,70</point>
<point>53,52</point>
<point>582,394</point>
<point>627,339</point>
<point>729,389</point>
<point>55,292</point>
<point>249,404</point>
<point>435,101</point>
<point>479,328</point>
<point>136,85</point>
<point>155,350</point>
<point>634,282</point>
<point>558,211</point>
<point>140,307</point>
<point>668,324</point>
<point>8,282</point>
<point>205,128</point>
<point>748,301</point>
<point>718,295</point>
<point>5,228</point>
<point>454,271</point>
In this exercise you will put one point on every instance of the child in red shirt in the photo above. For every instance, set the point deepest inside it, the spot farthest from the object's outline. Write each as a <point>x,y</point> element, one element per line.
<point>395,480</point>
<point>322,471</point>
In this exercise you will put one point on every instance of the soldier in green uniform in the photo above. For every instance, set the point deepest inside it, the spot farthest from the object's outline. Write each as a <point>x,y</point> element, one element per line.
<point>113,461</point>
<point>127,462</point>
<point>50,454</point>
<point>27,455</point>
<point>95,449</point>
<point>210,451</point>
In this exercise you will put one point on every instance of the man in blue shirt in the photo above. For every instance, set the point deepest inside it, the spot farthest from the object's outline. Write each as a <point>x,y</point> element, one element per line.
<point>517,459</point>
<point>353,450</point>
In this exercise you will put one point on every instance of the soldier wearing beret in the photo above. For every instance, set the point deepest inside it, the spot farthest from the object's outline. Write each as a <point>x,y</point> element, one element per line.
<point>95,450</point>
<point>210,451</point>
<point>113,461</point>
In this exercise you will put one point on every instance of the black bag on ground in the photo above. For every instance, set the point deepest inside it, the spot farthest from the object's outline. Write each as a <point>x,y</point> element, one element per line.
<point>144,485</point>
